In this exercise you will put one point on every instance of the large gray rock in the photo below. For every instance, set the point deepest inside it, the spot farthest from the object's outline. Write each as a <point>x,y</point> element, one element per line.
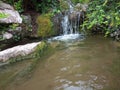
<point>12,15</point>
<point>20,50</point>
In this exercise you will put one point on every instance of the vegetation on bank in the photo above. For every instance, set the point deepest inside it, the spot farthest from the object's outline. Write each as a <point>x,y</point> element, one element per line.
<point>101,16</point>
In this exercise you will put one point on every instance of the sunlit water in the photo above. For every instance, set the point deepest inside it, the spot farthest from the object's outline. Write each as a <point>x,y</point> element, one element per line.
<point>80,64</point>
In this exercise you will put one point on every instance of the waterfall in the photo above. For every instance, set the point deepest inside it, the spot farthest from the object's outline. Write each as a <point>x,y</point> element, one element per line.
<point>70,24</point>
<point>71,20</point>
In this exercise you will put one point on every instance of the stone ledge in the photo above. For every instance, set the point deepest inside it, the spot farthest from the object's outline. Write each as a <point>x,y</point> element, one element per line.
<point>20,50</point>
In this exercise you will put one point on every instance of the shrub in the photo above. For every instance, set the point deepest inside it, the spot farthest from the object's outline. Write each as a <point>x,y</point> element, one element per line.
<point>103,15</point>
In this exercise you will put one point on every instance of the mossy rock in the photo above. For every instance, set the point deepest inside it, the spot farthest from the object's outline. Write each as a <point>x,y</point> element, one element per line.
<point>45,26</point>
<point>64,5</point>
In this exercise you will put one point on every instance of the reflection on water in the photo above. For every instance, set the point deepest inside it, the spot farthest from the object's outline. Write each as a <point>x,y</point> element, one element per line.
<point>78,85</point>
<point>78,65</point>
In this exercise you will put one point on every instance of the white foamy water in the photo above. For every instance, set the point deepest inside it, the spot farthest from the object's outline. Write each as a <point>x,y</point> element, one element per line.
<point>68,37</point>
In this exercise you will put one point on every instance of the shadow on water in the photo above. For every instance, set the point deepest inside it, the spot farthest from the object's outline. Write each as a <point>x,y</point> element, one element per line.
<point>90,64</point>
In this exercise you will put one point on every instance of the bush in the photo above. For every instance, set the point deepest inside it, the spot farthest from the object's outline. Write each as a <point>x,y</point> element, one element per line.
<point>103,15</point>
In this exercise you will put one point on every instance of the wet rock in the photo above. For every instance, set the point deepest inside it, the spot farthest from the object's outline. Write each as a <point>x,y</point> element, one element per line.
<point>81,7</point>
<point>20,50</point>
<point>26,19</point>
<point>74,16</point>
<point>12,16</point>
<point>57,23</point>
<point>27,23</point>
<point>116,34</point>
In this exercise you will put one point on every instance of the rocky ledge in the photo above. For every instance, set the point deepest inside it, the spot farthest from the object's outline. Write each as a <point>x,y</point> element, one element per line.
<point>20,50</point>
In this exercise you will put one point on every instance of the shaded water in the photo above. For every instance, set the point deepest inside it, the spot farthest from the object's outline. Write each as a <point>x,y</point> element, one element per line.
<point>91,64</point>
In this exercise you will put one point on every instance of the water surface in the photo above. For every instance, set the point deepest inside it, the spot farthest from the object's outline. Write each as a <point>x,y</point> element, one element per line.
<point>91,64</point>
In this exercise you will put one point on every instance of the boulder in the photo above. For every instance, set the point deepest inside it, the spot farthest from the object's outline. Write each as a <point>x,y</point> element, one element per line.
<point>12,16</point>
<point>20,50</point>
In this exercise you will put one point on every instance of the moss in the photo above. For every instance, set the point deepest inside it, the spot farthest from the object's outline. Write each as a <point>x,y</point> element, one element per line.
<point>3,15</point>
<point>40,49</point>
<point>45,26</point>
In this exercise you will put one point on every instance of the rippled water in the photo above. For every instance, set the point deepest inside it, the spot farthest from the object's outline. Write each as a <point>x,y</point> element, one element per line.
<point>91,64</point>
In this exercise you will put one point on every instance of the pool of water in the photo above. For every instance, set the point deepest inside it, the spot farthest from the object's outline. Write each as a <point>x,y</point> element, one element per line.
<point>83,64</point>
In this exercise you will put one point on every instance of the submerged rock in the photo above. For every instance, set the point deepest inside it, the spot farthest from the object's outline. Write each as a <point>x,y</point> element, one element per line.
<point>12,16</point>
<point>20,50</point>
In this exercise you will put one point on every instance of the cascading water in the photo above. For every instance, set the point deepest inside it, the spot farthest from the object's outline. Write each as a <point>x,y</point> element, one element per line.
<point>70,23</point>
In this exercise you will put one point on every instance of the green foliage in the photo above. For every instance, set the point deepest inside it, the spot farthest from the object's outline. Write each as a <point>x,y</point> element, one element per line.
<point>103,15</point>
<point>19,6</point>
<point>13,26</point>
<point>45,26</point>
<point>45,5</point>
